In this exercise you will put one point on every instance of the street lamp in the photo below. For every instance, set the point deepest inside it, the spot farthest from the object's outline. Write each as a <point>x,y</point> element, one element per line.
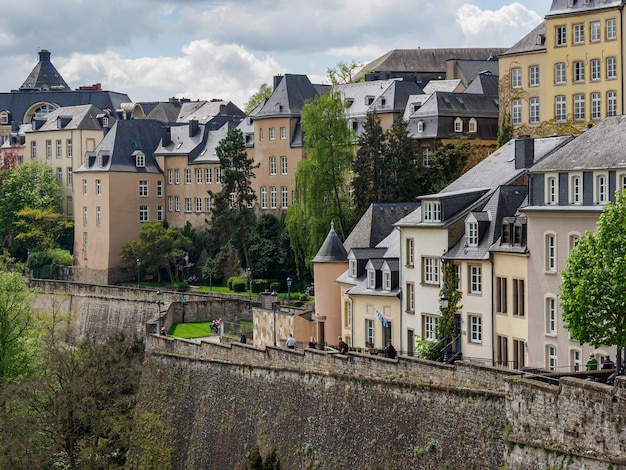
<point>159,301</point>
<point>274,307</point>
<point>444,300</point>
<point>138,270</point>
<point>249,271</point>
<point>289,280</point>
<point>182,301</point>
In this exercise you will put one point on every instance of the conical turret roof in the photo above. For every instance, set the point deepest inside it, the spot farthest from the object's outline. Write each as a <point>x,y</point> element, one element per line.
<point>45,76</point>
<point>332,250</point>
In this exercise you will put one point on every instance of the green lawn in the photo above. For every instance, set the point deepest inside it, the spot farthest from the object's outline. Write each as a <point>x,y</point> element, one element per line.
<point>203,328</point>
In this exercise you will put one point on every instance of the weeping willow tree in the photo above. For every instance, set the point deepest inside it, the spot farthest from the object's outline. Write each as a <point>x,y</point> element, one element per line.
<point>321,194</point>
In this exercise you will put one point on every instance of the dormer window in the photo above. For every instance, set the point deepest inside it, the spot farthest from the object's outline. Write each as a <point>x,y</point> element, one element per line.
<point>140,160</point>
<point>431,211</point>
<point>416,106</point>
<point>369,100</point>
<point>352,268</point>
<point>473,125</point>
<point>279,107</point>
<point>420,126</point>
<point>506,233</point>
<point>386,279</point>
<point>371,279</point>
<point>471,233</point>
<point>382,101</point>
<point>458,125</point>
<point>4,117</point>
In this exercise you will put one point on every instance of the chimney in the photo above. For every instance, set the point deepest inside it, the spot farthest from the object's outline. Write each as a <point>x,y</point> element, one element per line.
<point>524,152</point>
<point>166,136</point>
<point>277,79</point>
<point>193,127</point>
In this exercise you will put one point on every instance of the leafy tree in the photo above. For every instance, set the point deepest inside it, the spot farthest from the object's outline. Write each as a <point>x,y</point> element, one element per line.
<point>159,247</point>
<point>40,228</point>
<point>369,165</point>
<point>270,253</point>
<point>344,73</point>
<point>45,264</point>
<point>321,194</point>
<point>447,324</point>
<point>233,213</point>
<point>265,91</point>
<point>593,290</point>
<point>448,162</point>
<point>26,186</point>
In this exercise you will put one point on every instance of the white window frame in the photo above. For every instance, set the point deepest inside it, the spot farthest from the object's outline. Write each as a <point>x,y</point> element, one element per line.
<point>386,279</point>
<point>533,75</point>
<point>140,160</point>
<point>552,190</point>
<point>596,103</point>
<point>371,278</point>
<point>431,211</point>
<point>475,286</point>
<point>551,357</point>
<point>601,188</point>
<point>471,233</point>
<point>272,133</point>
<point>579,33</point>
<point>458,125</point>
<point>98,216</point>
<point>578,70</point>
<point>476,328</point>
<point>283,165</point>
<point>594,31</point>
<point>208,176</point>
<point>550,312</point>
<point>560,108</point>
<point>516,77</point>
<point>595,70</point>
<point>159,188</point>
<point>143,188</point>
<point>370,331</point>
<point>560,36</point>
<point>284,196</point>
<point>187,176</point>
<point>579,107</point>
<point>560,73</point>
<point>263,197</point>
<point>430,270</point>
<point>576,189</point>
<point>283,133</point>
<point>144,213</point>
<point>272,166</point>
<point>516,112</point>
<point>550,253</point>
<point>273,197</point>
<point>198,175</point>
<point>611,29</point>
<point>611,68</point>
<point>533,104</point>
<point>611,103</point>
<point>430,327</point>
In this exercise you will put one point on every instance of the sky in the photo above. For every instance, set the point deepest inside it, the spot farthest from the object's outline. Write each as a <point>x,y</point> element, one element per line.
<point>204,49</point>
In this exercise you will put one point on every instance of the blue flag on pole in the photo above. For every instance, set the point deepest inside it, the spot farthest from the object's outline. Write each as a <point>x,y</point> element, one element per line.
<point>382,319</point>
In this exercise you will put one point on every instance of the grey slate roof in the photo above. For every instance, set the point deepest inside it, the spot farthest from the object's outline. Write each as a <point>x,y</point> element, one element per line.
<point>443,85</point>
<point>162,111</point>
<point>484,84</point>
<point>75,117</point>
<point>471,68</point>
<point>207,111</point>
<point>530,42</point>
<point>121,144</point>
<point>395,93</point>
<point>288,97</point>
<point>44,76</point>
<point>561,7</point>
<point>376,224</point>
<point>332,250</point>
<point>600,147</point>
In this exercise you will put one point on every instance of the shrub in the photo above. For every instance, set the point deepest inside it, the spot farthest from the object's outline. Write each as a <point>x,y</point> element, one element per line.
<point>239,285</point>
<point>274,286</point>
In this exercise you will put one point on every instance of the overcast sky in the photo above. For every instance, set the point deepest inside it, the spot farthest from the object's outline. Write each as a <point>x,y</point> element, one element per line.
<point>202,49</point>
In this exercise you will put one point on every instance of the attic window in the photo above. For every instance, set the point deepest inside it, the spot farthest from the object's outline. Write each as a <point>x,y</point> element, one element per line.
<point>431,211</point>
<point>279,107</point>
<point>539,40</point>
<point>446,99</point>
<point>180,144</point>
<point>4,117</point>
<point>352,268</point>
<point>105,122</point>
<point>349,102</point>
<point>471,233</point>
<point>134,144</point>
<point>473,125</point>
<point>570,3</point>
<point>460,100</point>
<point>204,150</point>
<point>371,279</point>
<point>416,106</point>
<point>369,100</point>
<point>140,160</point>
<point>458,125</point>
<point>386,280</point>
<point>382,101</point>
<point>420,126</point>
<point>355,125</point>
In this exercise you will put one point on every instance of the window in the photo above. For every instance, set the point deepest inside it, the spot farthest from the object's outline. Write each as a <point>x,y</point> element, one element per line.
<point>176,176</point>
<point>579,71</point>
<point>595,69</point>
<point>143,213</point>
<point>533,75</point>
<point>518,297</point>
<point>283,165</point>
<point>84,216</point>
<point>283,133</point>
<point>177,203</point>
<point>519,361</point>
<point>420,126</point>
<point>85,187</point>
<point>426,156</point>
<point>386,280</point>
<point>550,312</point>
<point>579,34</point>
<point>516,78</point>
<point>348,318</point>
<point>371,279</point>
<point>208,176</point>
<point>561,35</point>
<point>283,197</point>
<point>501,292</point>
<point>430,328</point>
<point>560,108</point>
<point>475,286</point>
<point>551,358</point>
<point>611,31</point>
<point>534,110</point>
<point>575,360</point>
<point>187,176</point>
<point>272,197</point>
<point>471,233</point>
<point>70,176</point>
<point>502,350</point>
<point>457,276</point>
<point>476,331</point>
<point>473,125</point>
<point>68,145</point>
<point>576,190</point>
<point>272,165</point>
<point>33,150</point>
<point>207,204</point>
<point>594,31</point>
<point>159,212</point>
<point>198,175</point>
<point>551,190</point>
<point>187,204</point>
<point>611,103</point>
<point>48,149</point>
<point>430,273</point>
<point>458,125</point>
<point>573,241</point>
<point>59,149</point>
<point>516,112</point>
<point>263,197</point>
<point>595,106</point>
<point>579,107</point>
<point>369,332</point>
<point>85,239</point>
<point>140,160</point>
<point>601,189</point>
<point>170,203</point>
<point>170,176</point>
<point>98,187</point>
<point>218,176</point>
<point>143,188</point>
<point>272,133</point>
<point>559,73</point>
<point>60,176</point>
<point>261,134</point>
<point>431,211</point>
<point>550,253</point>
<point>410,253</point>
<point>410,297</point>
<point>159,188</point>
<point>611,67</point>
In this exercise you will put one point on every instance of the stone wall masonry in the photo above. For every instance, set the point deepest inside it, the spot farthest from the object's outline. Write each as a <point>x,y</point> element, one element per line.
<point>575,423</point>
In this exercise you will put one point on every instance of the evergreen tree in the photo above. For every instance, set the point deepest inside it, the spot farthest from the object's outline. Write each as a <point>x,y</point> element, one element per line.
<point>369,171</point>
<point>400,175</point>
<point>233,212</point>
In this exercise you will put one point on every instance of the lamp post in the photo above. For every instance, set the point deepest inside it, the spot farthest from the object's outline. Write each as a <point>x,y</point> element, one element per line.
<point>289,280</point>
<point>159,301</point>
<point>249,272</point>
<point>182,301</point>
<point>444,310</point>
<point>138,271</point>
<point>274,307</point>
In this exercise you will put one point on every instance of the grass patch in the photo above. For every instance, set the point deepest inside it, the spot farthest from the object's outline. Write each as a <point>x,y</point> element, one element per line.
<point>203,328</point>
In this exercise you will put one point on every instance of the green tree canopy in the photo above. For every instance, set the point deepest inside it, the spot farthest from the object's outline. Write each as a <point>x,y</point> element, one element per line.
<point>321,194</point>
<point>593,288</point>
<point>344,72</point>
<point>369,165</point>
<point>265,91</point>
<point>233,212</point>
